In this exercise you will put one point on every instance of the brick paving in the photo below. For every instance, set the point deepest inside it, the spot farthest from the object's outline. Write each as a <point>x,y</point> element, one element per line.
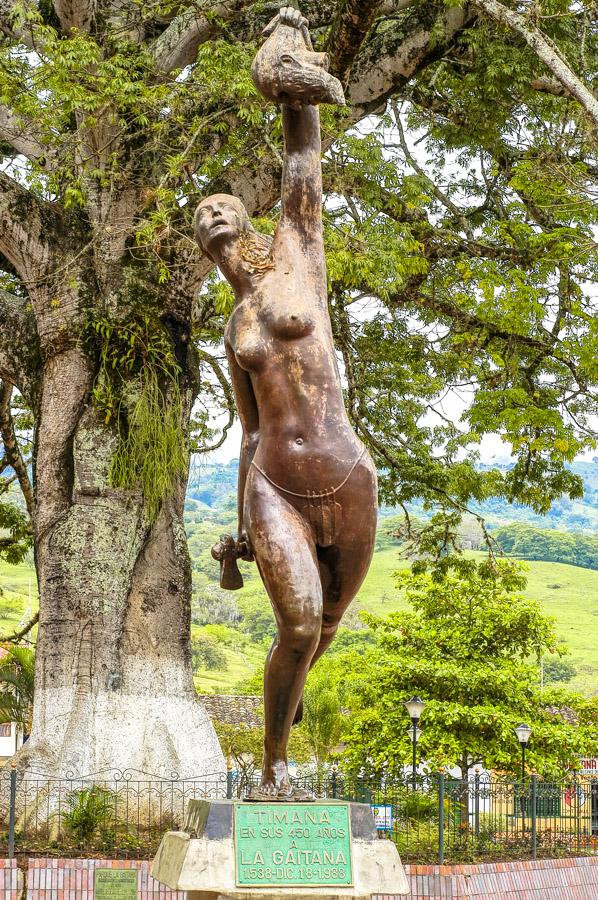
<point>11,880</point>
<point>541,879</point>
<point>544,879</point>
<point>72,879</point>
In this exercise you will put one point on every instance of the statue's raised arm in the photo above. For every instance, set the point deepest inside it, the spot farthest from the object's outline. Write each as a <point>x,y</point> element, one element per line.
<point>287,71</point>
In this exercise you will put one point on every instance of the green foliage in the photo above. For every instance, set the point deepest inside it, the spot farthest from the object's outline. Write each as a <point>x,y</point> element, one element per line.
<point>468,646</point>
<point>558,669</point>
<point>11,607</point>
<point>534,543</point>
<point>416,805</point>
<point>17,670</point>
<point>88,813</point>
<point>322,718</point>
<point>207,654</point>
<point>257,618</point>
<point>137,386</point>
<point>243,747</point>
<point>16,544</point>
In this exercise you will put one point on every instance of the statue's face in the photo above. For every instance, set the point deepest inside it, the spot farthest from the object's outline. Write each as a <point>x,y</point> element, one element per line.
<point>219,220</point>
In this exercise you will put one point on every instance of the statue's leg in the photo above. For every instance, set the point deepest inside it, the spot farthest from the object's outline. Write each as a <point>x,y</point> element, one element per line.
<point>344,565</point>
<point>286,557</point>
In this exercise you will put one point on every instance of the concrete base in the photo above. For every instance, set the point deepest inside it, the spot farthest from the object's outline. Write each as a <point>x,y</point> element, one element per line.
<point>204,864</point>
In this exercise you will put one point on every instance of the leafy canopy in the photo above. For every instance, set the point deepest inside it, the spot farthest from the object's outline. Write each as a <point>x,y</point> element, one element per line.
<point>469,646</point>
<point>460,223</point>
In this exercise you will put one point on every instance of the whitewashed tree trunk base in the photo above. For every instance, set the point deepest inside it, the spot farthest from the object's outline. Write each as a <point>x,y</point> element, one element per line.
<point>149,736</point>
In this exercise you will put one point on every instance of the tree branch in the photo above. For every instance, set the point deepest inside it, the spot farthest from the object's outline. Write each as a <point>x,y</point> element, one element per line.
<point>438,193</point>
<point>23,34</point>
<point>546,85</point>
<point>177,46</point>
<point>545,51</point>
<point>394,55</point>
<point>19,354</point>
<point>349,30</point>
<point>19,635</point>
<point>228,396</point>
<point>21,134</point>
<point>11,448</point>
<point>25,227</point>
<point>472,322</point>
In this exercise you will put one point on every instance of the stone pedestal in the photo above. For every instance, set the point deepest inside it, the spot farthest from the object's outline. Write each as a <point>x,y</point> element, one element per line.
<point>207,861</point>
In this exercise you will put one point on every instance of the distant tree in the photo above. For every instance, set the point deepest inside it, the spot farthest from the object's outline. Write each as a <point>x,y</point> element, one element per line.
<point>322,718</point>
<point>242,746</point>
<point>558,669</point>
<point>210,604</point>
<point>257,618</point>
<point>207,653</point>
<point>465,647</point>
<point>527,542</point>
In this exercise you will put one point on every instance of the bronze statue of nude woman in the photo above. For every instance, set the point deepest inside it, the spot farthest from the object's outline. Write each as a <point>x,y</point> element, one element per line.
<point>307,486</point>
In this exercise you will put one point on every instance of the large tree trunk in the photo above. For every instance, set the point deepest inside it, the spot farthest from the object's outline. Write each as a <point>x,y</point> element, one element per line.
<point>114,687</point>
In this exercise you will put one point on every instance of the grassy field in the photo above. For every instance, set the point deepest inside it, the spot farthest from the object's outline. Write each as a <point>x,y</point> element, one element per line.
<point>568,593</point>
<point>17,583</point>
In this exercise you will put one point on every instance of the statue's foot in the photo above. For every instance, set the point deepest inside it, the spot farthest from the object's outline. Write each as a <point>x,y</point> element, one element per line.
<point>270,793</point>
<point>275,786</point>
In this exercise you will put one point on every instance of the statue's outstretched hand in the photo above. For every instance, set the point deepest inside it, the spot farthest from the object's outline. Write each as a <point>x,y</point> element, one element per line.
<point>293,18</point>
<point>286,70</point>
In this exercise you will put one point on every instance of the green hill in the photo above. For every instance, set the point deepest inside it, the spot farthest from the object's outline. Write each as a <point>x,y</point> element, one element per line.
<point>569,593</point>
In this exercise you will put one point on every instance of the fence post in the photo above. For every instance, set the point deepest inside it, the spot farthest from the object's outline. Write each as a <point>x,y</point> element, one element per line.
<point>12,811</point>
<point>476,801</point>
<point>334,782</point>
<point>534,815</point>
<point>578,789</point>
<point>229,784</point>
<point>441,818</point>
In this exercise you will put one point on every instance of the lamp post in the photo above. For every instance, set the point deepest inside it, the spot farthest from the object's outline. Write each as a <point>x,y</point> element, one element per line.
<point>523,732</point>
<point>415,707</point>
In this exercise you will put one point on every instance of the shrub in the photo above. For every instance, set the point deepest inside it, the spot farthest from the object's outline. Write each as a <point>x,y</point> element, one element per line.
<point>89,812</point>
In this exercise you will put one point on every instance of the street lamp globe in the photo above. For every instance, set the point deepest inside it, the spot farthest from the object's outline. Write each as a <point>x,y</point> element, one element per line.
<point>414,733</point>
<point>415,707</point>
<point>523,732</point>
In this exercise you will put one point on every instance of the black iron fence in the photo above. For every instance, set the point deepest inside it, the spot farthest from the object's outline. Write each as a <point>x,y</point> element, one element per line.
<point>125,814</point>
<point>479,818</point>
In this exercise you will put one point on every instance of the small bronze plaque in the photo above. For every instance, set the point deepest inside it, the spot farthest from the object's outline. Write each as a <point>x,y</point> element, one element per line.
<point>115,884</point>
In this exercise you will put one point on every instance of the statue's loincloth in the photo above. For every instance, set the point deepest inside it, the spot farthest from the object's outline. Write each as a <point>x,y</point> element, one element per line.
<point>322,511</point>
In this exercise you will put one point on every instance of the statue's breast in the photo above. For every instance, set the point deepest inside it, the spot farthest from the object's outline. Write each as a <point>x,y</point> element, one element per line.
<point>246,335</point>
<point>287,316</point>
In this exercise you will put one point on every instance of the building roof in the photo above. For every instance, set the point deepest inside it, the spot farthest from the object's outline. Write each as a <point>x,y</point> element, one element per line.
<point>233,709</point>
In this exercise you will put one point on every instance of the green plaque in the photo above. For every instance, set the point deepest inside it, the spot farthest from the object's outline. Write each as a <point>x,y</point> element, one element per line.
<point>115,884</point>
<point>293,844</point>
